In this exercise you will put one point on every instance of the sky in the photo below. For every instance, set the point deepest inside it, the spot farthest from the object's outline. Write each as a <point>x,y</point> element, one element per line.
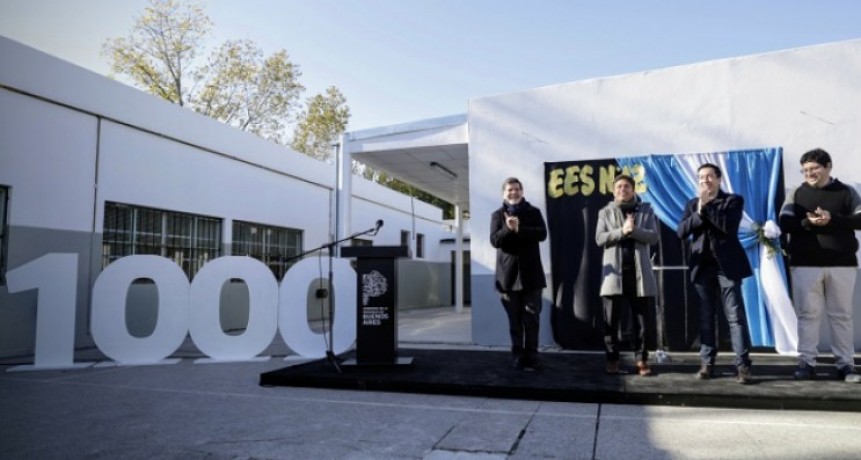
<point>399,61</point>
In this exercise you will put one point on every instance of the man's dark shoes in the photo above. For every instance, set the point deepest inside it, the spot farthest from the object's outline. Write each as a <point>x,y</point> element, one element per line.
<point>847,374</point>
<point>804,371</point>
<point>532,364</point>
<point>527,363</point>
<point>706,372</point>
<point>744,375</point>
<point>613,367</point>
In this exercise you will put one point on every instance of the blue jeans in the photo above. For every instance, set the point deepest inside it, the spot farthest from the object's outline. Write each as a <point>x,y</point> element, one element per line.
<point>714,288</point>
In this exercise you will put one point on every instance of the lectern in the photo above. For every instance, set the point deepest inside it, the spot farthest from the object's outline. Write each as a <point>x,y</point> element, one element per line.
<point>377,318</point>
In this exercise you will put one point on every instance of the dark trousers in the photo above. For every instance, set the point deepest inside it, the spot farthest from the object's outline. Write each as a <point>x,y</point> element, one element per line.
<point>714,289</point>
<point>614,308</point>
<point>523,309</point>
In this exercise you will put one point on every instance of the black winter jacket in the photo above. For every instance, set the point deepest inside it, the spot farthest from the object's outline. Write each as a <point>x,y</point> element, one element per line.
<point>718,223</point>
<point>517,254</point>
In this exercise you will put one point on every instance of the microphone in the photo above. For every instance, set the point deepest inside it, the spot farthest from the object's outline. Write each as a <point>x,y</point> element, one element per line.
<point>377,226</point>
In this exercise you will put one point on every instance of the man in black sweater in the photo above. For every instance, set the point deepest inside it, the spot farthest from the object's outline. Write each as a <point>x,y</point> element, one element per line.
<point>820,218</point>
<point>516,228</point>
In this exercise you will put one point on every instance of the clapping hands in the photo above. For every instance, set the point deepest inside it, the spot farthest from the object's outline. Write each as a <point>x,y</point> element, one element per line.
<point>819,217</point>
<point>628,226</point>
<point>512,222</point>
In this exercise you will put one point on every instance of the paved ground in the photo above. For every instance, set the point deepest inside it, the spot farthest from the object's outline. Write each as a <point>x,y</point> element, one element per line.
<point>214,411</point>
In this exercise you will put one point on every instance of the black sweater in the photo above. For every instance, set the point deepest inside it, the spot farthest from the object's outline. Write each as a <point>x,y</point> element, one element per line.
<point>833,245</point>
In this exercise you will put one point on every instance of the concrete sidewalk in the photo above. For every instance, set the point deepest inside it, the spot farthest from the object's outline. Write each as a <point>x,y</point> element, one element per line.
<point>187,411</point>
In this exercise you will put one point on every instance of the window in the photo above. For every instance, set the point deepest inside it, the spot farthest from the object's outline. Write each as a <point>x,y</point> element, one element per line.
<point>190,240</point>
<point>277,247</point>
<point>405,241</point>
<point>420,245</point>
<point>4,194</point>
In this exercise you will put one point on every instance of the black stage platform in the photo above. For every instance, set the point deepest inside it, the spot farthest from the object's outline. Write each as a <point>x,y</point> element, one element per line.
<point>580,377</point>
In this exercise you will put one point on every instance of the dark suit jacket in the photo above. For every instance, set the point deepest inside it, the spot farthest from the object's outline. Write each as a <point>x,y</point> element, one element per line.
<point>518,253</point>
<point>719,220</point>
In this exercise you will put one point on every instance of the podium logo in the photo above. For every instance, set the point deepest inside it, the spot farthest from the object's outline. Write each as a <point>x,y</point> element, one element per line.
<point>374,284</point>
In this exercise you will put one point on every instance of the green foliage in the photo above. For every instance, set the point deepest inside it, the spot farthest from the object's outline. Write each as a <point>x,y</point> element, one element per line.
<point>242,88</point>
<point>323,120</point>
<point>163,42</point>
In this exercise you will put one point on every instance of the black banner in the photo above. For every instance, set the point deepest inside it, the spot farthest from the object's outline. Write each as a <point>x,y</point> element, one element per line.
<point>575,192</point>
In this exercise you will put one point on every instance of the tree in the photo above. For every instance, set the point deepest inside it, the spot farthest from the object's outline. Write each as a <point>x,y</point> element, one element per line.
<point>323,120</point>
<point>236,84</point>
<point>241,88</point>
<point>164,42</point>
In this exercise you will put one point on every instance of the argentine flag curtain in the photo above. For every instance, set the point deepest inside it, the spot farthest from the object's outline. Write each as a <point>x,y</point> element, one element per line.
<point>754,174</point>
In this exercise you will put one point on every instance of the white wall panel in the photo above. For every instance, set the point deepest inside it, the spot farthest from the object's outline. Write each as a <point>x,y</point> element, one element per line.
<point>47,157</point>
<point>147,170</point>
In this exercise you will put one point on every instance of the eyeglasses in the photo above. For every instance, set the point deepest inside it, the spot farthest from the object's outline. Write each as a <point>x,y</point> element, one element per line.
<point>811,170</point>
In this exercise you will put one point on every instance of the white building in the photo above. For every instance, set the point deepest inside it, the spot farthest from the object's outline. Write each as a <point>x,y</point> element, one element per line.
<point>95,168</point>
<point>76,147</point>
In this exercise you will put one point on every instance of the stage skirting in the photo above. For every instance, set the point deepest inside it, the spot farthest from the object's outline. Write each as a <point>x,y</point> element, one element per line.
<point>580,377</point>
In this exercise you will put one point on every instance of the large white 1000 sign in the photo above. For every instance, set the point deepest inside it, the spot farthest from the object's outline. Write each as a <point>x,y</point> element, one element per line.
<point>182,308</point>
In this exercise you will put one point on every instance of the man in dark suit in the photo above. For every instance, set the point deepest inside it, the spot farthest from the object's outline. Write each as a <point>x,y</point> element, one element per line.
<point>516,228</point>
<point>717,266</point>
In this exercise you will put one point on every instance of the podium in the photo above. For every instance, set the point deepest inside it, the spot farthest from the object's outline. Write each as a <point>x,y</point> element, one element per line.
<point>377,318</point>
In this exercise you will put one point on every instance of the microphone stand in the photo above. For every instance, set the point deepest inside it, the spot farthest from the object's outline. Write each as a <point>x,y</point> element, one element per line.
<point>325,294</point>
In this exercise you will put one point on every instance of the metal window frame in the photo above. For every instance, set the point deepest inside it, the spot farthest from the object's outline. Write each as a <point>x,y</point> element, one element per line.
<point>188,239</point>
<point>277,247</point>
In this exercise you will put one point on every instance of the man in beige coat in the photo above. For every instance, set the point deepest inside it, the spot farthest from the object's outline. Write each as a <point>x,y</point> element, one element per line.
<point>627,227</point>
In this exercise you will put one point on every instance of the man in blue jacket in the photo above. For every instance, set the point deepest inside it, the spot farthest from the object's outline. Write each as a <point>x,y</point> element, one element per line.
<point>717,265</point>
<point>516,228</point>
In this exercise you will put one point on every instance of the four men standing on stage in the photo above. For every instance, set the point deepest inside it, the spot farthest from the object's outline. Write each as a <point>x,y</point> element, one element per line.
<point>820,218</point>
